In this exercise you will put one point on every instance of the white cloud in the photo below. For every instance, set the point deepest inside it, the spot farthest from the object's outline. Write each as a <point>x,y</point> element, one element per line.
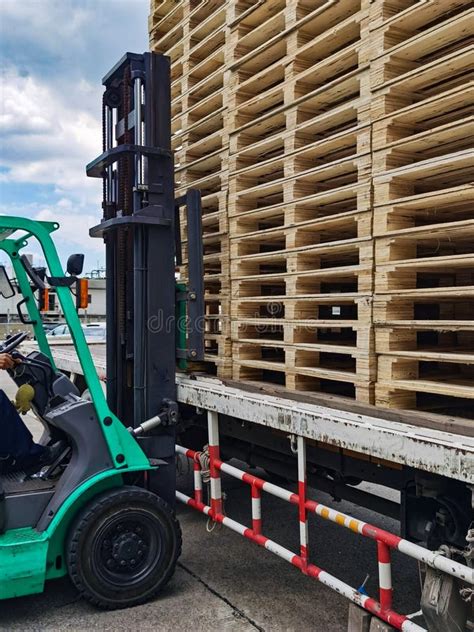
<point>74,227</point>
<point>55,53</point>
<point>72,235</point>
<point>45,140</point>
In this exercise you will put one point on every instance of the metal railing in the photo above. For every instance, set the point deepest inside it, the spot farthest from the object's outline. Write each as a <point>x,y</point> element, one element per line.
<point>386,541</point>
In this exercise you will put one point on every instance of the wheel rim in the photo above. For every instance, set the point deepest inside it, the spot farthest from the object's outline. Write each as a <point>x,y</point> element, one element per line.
<point>126,549</point>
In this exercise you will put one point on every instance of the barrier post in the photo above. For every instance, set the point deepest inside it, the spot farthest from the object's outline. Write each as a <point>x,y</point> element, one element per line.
<point>216,490</point>
<point>303,518</point>
<point>385,575</point>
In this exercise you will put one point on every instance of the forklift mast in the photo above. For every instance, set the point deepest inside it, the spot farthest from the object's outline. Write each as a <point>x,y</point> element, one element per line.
<point>140,227</point>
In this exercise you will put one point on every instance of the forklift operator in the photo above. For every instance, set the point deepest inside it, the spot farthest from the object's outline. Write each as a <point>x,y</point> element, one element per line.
<point>18,451</point>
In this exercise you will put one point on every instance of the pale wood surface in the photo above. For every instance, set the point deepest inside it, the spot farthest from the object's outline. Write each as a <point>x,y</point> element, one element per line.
<point>333,145</point>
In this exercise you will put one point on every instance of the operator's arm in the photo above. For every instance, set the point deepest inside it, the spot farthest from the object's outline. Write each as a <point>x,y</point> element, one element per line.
<point>6,361</point>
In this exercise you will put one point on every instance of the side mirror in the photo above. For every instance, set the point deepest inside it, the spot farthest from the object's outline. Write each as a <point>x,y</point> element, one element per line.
<point>75,265</point>
<point>6,287</point>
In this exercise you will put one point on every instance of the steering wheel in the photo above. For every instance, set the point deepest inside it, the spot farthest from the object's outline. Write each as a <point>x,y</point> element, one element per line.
<point>11,343</point>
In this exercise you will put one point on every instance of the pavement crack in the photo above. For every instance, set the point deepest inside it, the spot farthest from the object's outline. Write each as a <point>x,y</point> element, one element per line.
<point>240,613</point>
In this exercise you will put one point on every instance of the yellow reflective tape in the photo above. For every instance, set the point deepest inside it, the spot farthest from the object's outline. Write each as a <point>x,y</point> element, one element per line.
<point>325,513</point>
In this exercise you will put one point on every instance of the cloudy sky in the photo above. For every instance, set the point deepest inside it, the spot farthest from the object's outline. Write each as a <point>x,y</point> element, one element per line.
<point>54,54</point>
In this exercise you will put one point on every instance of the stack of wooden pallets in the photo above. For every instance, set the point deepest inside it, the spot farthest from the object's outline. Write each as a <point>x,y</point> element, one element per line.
<point>194,35</point>
<point>423,174</point>
<point>332,142</point>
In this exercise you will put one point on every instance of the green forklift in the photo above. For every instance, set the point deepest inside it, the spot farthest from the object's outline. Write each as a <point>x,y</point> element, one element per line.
<point>104,511</point>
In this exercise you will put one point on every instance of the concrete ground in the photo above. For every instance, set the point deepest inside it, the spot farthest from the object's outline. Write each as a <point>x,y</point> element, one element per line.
<point>225,583</point>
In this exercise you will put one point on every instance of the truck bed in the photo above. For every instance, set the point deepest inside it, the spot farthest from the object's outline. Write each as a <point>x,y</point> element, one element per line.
<point>433,443</point>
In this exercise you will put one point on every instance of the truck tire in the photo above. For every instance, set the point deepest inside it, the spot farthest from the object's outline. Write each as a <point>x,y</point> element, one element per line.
<point>123,547</point>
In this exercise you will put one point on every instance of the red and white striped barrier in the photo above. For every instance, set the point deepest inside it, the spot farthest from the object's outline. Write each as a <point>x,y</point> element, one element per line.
<point>385,540</point>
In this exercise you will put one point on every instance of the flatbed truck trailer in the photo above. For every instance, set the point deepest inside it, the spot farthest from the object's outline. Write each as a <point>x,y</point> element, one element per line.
<point>333,445</point>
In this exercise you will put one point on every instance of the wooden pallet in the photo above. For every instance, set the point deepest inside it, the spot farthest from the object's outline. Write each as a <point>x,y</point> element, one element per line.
<point>197,72</point>
<point>166,26</point>
<point>248,102</point>
<point>445,240</point>
<point>196,89</point>
<point>350,205</point>
<point>405,398</point>
<point>217,333</point>
<point>189,29</point>
<point>339,230</point>
<point>296,152</point>
<point>324,310</point>
<point>172,45</point>
<point>432,209</point>
<point>415,86</point>
<point>205,168</point>
<point>407,382</point>
<point>353,277</point>
<point>200,159</point>
<point>217,356</point>
<point>165,12</point>
<point>342,362</point>
<point>194,147</point>
<point>207,183</point>
<point>433,113</point>
<point>205,117</point>
<point>282,232</point>
<point>425,177</point>
<point>304,55</point>
<point>295,250</point>
<point>256,33</point>
<point>441,142</point>
<point>246,193</point>
<point>326,28</point>
<point>429,307</point>
<point>456,271</point>
<point>259,35</point>
<point>208,18</point>
<point>347,208</point>
<point>443,343</point>
<point>304,370</point>
<point>313,98</point>
<point>448,37</point>
<point>297,127</point>
<point>331,336</point>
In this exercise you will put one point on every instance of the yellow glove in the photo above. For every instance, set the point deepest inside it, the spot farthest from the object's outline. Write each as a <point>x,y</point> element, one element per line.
<point>24,397</point>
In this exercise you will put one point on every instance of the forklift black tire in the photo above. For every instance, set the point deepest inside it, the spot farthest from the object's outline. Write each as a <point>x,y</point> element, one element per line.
<point>123,548</point>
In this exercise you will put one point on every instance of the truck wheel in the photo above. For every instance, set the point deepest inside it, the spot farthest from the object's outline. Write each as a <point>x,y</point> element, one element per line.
<point>123,548</point>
